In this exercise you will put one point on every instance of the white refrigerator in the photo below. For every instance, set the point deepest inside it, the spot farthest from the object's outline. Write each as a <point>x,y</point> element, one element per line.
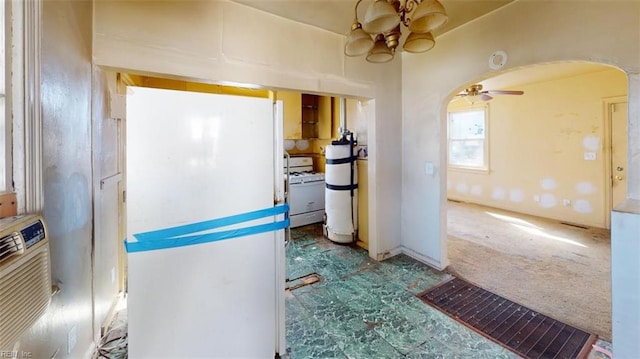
<point>194,158</point>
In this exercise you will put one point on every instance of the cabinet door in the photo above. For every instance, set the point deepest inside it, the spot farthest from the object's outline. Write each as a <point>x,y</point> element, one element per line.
<point>309,116</point>
<point>325,117</point>
<point>292,103</point>
<point>335,127</point>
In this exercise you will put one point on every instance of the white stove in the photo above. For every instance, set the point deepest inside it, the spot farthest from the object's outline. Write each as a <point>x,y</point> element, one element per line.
<point>301,171</point>
<point>305,177</point>
<point>306,192</point>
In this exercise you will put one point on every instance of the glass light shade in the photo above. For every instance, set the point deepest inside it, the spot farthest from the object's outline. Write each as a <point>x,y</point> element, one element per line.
<point>428,16</point>
<point>380,52</point>
<point>416,42</point>
<point>473,99</point>
<point>358,42</point>
<point>380,17</point>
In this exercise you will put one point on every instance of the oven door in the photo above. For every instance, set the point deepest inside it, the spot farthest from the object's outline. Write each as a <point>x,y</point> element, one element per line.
<point>306,197</point>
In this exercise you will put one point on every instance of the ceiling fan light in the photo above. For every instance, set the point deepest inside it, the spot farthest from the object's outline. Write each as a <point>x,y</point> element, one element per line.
<point>472,99</point>
<point>380,52</point>
<point>358,42</point>
<point>428,16</point>
<point>417,42</point>
<point>380,17</point>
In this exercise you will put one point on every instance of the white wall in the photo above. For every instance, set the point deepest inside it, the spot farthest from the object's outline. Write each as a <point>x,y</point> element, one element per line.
<point>221,41</point>
<point>531,32</point>
<point>546,32</point>
<point>66,82</point>
<point>536,148</point>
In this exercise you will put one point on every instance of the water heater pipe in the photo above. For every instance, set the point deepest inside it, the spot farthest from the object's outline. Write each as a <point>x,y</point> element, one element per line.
<point>343,115</point>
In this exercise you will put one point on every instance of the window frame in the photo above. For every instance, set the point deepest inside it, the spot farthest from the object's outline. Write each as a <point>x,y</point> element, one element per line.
<point>485,168</point>
<point>23,120</point>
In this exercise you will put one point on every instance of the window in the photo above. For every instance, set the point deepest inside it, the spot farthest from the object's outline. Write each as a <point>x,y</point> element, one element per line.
<point>468,147</point>
<point>20,120</point>
<point>4,133</point>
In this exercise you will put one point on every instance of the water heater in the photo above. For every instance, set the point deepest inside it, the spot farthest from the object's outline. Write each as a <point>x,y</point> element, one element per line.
<point>341,193</point>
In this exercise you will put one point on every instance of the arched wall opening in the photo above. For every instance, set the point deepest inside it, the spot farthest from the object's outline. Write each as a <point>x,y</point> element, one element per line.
<point>529,191</point>
<point>529,33</point>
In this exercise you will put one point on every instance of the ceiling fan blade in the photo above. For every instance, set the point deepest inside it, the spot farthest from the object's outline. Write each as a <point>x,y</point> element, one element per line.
<point>485,97</point>
<point>505,92</point>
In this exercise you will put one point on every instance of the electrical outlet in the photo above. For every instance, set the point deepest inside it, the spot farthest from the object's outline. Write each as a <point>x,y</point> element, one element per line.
<point>566,202</point>
<point>72,338</point>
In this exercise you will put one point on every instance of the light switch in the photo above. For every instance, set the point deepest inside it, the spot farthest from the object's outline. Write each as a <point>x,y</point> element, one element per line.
<point>429,168</point>
<point>590,156</point>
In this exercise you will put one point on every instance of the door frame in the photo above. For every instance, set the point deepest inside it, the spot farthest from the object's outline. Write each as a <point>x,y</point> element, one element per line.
<point>607,149</point>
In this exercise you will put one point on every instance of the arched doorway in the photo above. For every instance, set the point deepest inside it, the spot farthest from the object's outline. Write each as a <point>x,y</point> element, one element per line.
<point>530,221</point>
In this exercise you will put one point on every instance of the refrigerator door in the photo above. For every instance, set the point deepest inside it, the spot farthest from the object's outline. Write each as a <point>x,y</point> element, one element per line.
<point>216,299</point>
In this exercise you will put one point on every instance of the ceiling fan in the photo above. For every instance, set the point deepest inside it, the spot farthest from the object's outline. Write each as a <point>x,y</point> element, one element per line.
<point>475,92</point>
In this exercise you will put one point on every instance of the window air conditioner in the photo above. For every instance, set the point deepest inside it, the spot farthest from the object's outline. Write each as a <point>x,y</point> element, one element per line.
<point>25,279</point>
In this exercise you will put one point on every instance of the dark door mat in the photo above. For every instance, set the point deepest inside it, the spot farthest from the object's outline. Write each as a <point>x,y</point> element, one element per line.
<point>517,328</point>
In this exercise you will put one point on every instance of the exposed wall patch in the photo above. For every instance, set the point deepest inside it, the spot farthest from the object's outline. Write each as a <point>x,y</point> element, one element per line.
<point>547,200</point>
<point>582,206</point>
<point>516,195</point>
<point>462,187</point>
<point>499,193</point>
<point>548,184</point>
<point>585,187</point>
<point>591,142</point>
<point>476,190</point>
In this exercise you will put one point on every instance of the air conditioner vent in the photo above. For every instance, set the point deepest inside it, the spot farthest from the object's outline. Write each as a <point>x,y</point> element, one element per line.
<point>25,277</point>
<point>10,245</point>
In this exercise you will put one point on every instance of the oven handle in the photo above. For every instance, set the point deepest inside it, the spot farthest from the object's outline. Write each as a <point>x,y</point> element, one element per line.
<point>309,183</point>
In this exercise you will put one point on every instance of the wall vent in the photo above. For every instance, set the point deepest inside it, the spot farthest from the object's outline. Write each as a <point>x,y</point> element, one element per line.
<point>10,245</point>
<point>25,277</point>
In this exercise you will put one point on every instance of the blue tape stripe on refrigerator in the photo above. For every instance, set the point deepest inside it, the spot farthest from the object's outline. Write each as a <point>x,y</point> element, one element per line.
<point>167,238</point>
<point>211,224</point>
<point>167,243</point>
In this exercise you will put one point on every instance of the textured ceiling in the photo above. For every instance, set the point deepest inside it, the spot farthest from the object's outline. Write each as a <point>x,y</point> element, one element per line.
<point>540,73</point>
<point>337,15</point>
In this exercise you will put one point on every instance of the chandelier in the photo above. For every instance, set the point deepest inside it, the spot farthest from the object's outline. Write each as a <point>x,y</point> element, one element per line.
<point>379,34</point>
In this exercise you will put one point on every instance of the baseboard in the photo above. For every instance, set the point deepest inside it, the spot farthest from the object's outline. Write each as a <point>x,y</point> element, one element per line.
<point>388,254</point>
<point>91,351</point>
<point>111,314</point>
<point>432,262</point>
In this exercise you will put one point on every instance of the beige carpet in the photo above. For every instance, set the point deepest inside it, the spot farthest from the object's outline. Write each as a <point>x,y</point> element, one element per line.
<point>558,270</point>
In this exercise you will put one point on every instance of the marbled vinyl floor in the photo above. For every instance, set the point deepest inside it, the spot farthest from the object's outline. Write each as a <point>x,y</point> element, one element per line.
<point>368,309</point>
<point>361,309</point>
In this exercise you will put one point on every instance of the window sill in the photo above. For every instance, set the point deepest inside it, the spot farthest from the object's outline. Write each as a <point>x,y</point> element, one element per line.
<point>477,170</point>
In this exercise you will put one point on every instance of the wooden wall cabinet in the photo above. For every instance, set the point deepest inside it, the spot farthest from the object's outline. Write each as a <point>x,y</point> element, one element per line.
<point>308,116</point>
<point>292,108</point>
<point>325,117</point>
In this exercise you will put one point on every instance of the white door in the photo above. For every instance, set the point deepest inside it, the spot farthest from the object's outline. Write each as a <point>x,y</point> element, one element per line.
<point>618,115</point>
<point>108,213</point>
<point>194,157</point>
